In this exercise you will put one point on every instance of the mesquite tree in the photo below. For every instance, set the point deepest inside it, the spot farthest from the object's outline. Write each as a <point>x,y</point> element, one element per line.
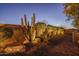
<point>72,12</point>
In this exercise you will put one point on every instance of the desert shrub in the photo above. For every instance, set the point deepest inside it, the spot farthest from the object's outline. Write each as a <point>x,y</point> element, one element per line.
<point>7,32</point>
<point>40,28</point>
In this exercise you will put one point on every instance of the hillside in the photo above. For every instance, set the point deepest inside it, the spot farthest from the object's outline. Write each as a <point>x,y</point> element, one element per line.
<point>37,39</point>
<point>15,39</point>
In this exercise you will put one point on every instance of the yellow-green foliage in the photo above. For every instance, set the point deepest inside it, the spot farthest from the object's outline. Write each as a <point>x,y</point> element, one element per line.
<point>33,35</point>
<point>54,31</point>
<point>51,31</point>
<point>60,31</point>
<point>48,31</point>
<point>40,28</point>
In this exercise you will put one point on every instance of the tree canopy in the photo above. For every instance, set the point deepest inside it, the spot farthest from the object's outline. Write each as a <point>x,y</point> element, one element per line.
<point>72,12</point>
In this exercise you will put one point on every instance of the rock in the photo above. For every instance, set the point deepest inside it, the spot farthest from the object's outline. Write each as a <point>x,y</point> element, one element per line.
<point>15,49</point>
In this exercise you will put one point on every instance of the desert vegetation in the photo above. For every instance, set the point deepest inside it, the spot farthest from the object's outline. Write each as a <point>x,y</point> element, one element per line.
<point>40,38</point>
<point>34,34</point>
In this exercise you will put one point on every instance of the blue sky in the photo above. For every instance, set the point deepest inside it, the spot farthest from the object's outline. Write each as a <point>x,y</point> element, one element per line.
<point>50,13</point>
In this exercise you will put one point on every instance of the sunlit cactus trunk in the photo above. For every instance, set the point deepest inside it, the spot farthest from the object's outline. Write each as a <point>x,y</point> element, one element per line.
<point>28,32</point>
<point>25,27</point>
<point>25,21</point>
<point>33,31</point>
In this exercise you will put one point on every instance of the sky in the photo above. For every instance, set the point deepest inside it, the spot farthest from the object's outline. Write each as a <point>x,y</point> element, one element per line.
<point>51,13</point>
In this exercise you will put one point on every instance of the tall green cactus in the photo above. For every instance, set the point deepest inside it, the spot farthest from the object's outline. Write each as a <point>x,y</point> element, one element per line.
<point>40,30</point>
<point>22,23</point>
<point>33,31</point>
<point>25,20</point>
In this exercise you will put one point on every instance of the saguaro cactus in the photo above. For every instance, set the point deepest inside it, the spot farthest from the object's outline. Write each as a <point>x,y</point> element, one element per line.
<point>33,31</point>
<point>28,31</point>
<point>25,21</point>
<point>24,27</point>
<point>33,19</point>
<point>22,23</point>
